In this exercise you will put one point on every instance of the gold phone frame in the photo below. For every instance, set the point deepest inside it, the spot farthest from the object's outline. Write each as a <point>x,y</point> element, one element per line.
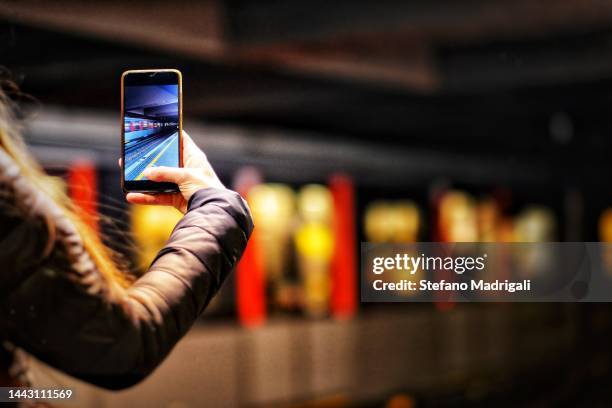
<point>122,116</point>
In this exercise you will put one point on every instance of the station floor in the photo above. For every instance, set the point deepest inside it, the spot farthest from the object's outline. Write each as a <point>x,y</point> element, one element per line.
<point>152,151</point>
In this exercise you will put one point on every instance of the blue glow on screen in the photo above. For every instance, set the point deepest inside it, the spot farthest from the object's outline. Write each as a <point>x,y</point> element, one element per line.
<point>151,128</point>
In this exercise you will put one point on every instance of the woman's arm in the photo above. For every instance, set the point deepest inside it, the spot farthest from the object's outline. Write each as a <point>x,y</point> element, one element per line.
<point>116,343</point>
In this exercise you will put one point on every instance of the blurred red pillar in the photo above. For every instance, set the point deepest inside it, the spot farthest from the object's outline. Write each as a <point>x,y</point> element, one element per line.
<point>344,261</point>
<point>83,190</point>
<point>250,279</point>
<point>250,287</point>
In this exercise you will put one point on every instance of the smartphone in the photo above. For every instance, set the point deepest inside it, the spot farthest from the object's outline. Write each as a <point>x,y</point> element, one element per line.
<point>151,127</point>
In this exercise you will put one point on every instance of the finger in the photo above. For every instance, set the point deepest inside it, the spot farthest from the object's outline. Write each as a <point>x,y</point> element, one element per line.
<point>192,155</point>
<point>149,199</point>
<point>186,137</point>
<point>189,143</point>
<point>120,161</point>
<point>168,174</point>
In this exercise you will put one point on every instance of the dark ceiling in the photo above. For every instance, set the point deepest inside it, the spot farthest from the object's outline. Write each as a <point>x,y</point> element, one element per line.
<point>486,77</point>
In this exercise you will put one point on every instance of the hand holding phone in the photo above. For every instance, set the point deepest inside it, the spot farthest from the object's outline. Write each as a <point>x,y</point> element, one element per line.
<point>160,163</point>
<point>195,175</point>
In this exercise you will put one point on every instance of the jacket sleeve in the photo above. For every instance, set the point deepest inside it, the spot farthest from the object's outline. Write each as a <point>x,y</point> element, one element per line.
<point>116,343</point>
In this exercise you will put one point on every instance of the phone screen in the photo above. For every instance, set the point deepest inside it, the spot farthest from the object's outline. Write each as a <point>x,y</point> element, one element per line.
<point>151,126</point>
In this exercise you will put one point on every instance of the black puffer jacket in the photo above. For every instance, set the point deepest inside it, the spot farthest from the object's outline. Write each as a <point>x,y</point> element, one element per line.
<point>60,309</point>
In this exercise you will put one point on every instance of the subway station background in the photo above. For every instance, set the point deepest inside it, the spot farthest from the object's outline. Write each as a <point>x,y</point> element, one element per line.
<point>343,122</point>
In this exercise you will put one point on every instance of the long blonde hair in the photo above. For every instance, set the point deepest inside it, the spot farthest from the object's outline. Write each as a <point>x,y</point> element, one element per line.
<point>12,142</point>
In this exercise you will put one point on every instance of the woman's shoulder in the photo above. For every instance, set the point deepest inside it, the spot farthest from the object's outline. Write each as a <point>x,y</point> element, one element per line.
<point>35,230</point>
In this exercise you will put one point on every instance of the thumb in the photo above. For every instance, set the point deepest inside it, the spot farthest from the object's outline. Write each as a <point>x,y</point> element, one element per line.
<point>168,174</point>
